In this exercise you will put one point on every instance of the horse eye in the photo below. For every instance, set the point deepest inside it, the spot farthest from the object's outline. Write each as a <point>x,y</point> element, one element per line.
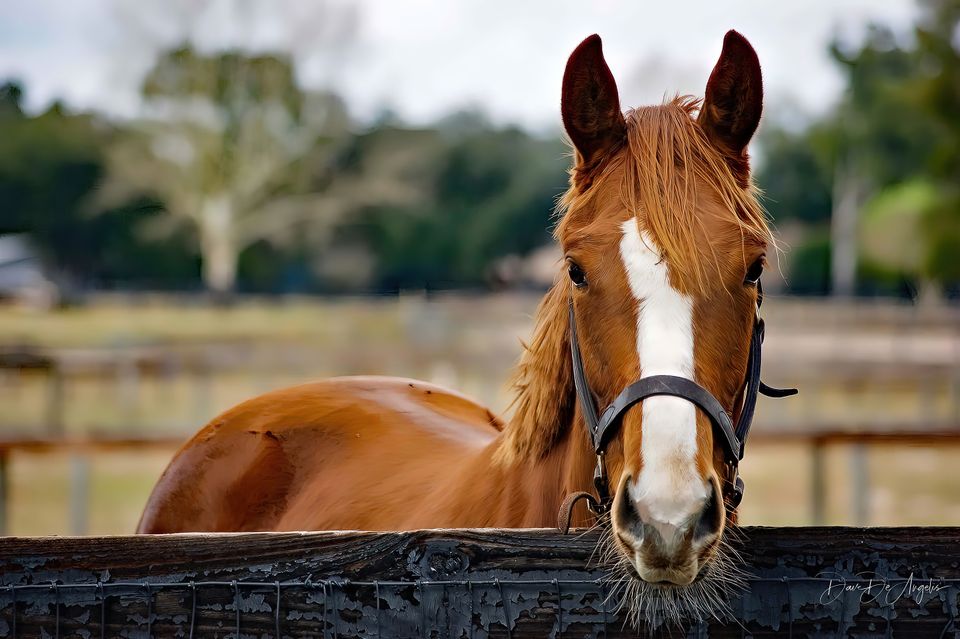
<point>754,272</point>
<point>577,275</point>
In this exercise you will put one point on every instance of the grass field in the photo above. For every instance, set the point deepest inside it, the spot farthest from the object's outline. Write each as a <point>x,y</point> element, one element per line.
<point>470,344</point>
<point>111,323</point>
<point>918,486</point>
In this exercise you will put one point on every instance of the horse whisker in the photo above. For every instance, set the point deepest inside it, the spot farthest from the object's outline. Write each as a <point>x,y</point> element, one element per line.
<point>645,605</point>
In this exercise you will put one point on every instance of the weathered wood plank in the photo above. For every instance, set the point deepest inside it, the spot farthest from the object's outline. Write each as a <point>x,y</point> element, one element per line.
<point>458,583</point>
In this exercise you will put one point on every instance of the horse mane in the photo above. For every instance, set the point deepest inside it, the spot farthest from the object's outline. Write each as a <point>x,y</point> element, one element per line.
<point>543,383</point>
<point>665,156</point>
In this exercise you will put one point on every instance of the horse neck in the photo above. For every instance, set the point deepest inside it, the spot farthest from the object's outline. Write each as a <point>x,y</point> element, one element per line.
<point>544,452</point>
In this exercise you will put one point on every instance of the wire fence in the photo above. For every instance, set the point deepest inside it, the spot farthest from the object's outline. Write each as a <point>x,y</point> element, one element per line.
<point>334,608</point>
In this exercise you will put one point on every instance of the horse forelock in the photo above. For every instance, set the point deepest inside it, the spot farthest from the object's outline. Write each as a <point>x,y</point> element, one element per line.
<point>670,176</point>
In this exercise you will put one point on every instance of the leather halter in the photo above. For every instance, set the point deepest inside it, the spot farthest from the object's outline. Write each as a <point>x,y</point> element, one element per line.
<point>602,428</point>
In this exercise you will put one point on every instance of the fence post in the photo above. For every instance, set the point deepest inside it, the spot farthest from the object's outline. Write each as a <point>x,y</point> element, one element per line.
<point>4,490</point>
<point>859,476</point>
<point>818,488</point>
<point>79,493</point>
<point>55,399</point>
<point>127,380</point>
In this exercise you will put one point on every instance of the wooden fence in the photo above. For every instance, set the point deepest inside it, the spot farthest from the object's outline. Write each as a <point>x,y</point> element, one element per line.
<point>818,442</point>
<point>83,449</point>
<point>892,582</point>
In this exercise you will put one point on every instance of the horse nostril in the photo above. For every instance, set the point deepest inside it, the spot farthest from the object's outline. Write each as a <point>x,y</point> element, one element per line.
<point>628,520</point>
<point>711,517</point>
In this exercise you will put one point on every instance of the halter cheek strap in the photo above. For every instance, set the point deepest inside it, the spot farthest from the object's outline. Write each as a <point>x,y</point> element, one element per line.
<point>602,428</point>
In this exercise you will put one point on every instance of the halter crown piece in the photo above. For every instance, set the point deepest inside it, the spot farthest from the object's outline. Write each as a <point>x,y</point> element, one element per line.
<point>602,428</point>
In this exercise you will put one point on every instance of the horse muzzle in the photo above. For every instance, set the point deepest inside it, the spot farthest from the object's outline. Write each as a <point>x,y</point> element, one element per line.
<point>667,550</point>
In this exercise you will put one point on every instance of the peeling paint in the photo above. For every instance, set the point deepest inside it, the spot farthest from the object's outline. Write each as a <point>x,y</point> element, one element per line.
<point>452,584</point>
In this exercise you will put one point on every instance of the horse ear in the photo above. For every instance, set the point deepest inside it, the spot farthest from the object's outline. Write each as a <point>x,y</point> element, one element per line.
<point>590,103</point>
<point>733,103</point>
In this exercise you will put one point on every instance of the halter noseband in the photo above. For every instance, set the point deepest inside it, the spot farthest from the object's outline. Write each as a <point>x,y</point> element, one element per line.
<point>602,428</point>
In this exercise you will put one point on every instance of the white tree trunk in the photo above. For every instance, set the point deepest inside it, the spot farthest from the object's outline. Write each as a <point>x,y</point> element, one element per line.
<point>218,246</point>
<point>848,192</point>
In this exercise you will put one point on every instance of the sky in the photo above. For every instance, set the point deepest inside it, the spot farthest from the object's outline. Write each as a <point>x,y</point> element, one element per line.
<point>422,59</point>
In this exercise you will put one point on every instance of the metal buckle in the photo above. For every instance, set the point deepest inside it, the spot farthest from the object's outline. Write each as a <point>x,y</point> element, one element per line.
<point>734,493</point>
<point>601,486</point>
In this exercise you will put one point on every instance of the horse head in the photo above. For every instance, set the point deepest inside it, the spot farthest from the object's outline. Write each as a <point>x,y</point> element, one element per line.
<point>664,243</point>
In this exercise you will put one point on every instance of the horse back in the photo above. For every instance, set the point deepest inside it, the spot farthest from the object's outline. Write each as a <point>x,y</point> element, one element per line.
<point>282,460</point>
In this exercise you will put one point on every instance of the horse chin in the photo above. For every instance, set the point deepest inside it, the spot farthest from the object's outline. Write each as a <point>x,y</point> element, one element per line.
<point>648,605</point>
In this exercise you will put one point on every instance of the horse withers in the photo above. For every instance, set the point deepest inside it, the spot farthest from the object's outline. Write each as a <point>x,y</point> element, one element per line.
<point>664,243</point>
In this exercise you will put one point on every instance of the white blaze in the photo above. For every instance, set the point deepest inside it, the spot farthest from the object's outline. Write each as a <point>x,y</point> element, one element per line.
<point>669,489</point>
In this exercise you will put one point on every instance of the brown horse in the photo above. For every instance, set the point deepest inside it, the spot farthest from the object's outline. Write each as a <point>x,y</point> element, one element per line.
<point>664,243</point>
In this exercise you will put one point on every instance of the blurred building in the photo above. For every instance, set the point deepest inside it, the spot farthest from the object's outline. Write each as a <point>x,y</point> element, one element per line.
<point>23,278</point>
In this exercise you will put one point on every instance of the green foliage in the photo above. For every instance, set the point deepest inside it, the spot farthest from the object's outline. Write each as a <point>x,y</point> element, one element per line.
<point>232,81</point>
<point>809,272</point>
<point>883,125</point>
<point>50,168</point>
<point>893,228</point>
<point>896,127</point>
<point>236,171</point>
<point>795,180</point>
<point>431,207</point>
<point>942,229</point>
<point>48,165</point>
<point>241,155</point>
<point>491,193</point>
<point>11,100</point>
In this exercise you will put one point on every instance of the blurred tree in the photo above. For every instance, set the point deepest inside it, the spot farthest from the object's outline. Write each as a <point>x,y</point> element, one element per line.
<point>232,146</point>
<point>938,53</point>
<point>50,167</point>
<point>795,175</point>
<point>492,193</point>
<point>893,232</point>
<point>895,128</point>
<point>903,103</point>
<point>11,100</point>
<point>809,269</point>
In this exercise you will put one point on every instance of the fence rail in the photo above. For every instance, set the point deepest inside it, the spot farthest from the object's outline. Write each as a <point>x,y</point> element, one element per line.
<point>896,582</point>
<point>81,449</point>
